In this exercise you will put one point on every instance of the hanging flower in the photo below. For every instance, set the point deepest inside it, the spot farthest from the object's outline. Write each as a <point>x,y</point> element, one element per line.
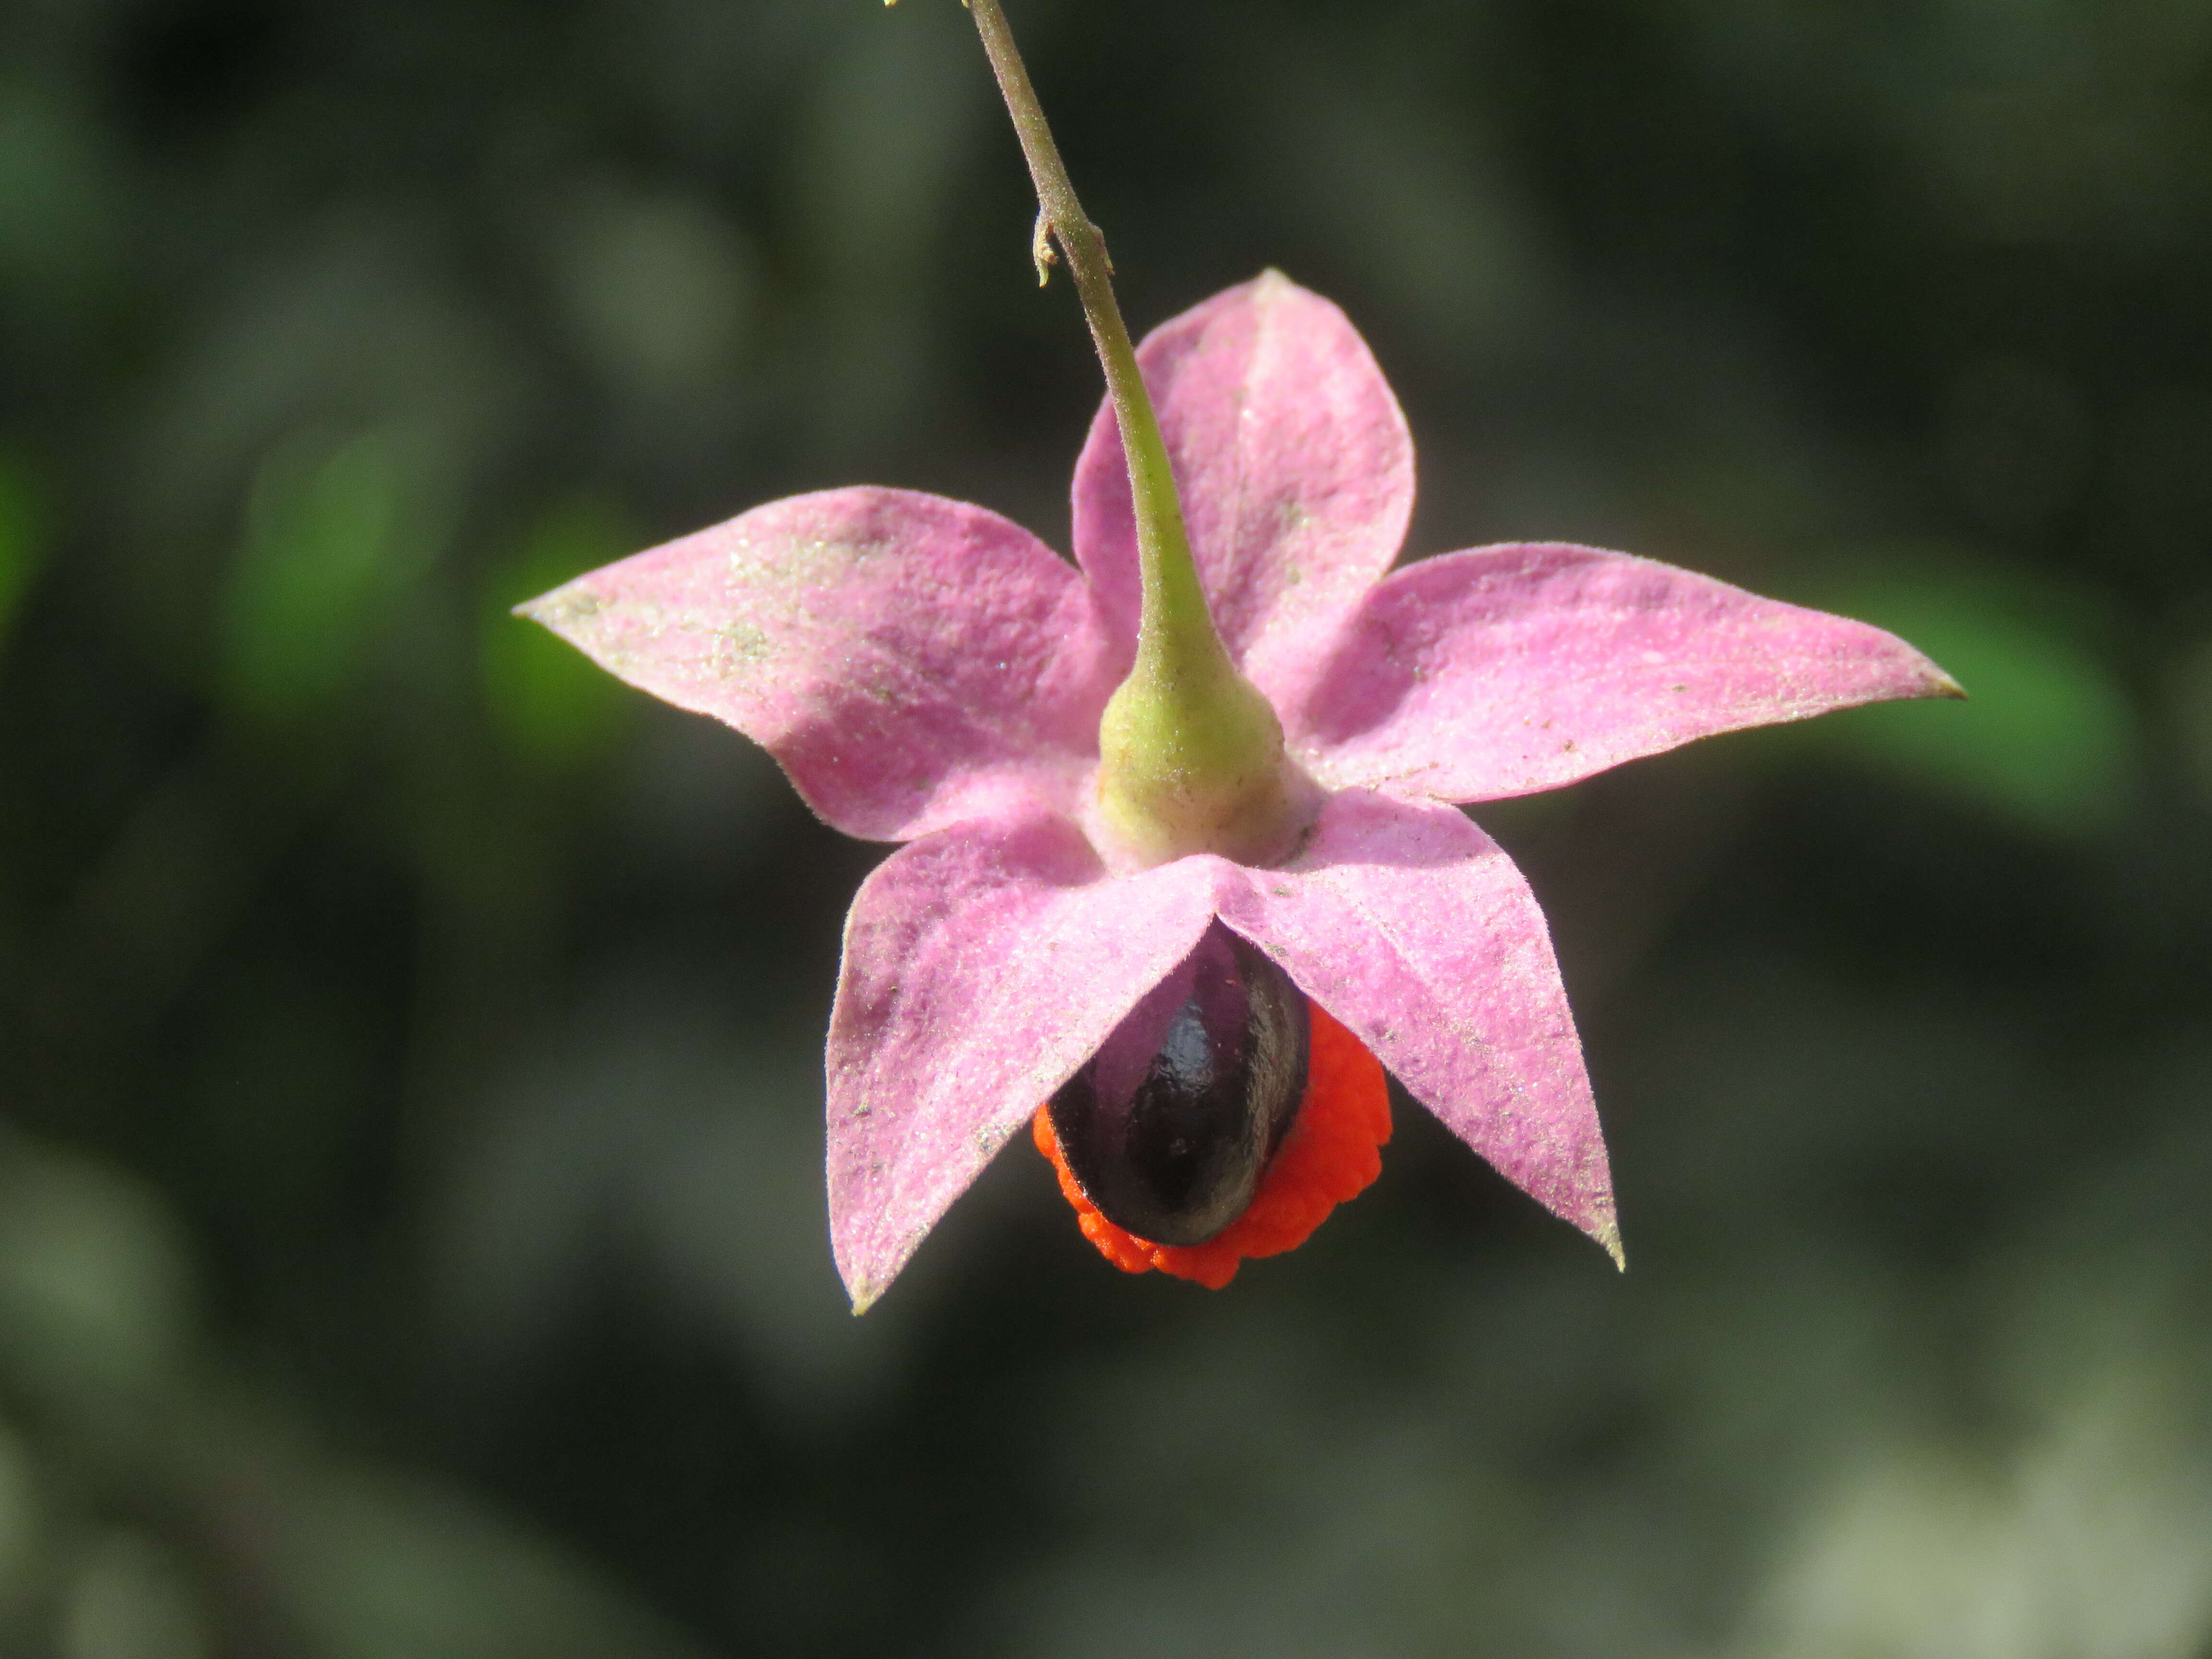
<point>927,672</point>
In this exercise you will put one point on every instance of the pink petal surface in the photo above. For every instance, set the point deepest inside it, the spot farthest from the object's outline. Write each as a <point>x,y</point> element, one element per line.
<point>911,661</point>
<point>1415,930</point>
<point>1509,669</point>
<point>981,967</point>
<point>1292,461</point>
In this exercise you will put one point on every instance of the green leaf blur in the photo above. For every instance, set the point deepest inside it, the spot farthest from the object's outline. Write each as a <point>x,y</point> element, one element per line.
<point>335,534</point>
<point>2048,743</point>
<point>23,549</point>
<point>550,705</point>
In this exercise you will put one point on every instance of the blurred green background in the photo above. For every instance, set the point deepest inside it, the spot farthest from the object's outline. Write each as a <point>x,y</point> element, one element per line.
<point>412,1238</point>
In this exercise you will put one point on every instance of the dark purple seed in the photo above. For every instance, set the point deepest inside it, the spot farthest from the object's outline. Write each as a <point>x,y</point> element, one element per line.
<point>1169,1125</point>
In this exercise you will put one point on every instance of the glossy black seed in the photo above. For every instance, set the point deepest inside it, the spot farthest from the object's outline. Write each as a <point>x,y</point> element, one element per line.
<point>1169,1125</point>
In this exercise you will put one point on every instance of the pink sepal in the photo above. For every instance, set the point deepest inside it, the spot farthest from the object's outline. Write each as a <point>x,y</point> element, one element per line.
<point>1292,461</point>
<point>1414,929</point>
<point>1509,669</point>
<point>913,662</point>
<point>982,966</point>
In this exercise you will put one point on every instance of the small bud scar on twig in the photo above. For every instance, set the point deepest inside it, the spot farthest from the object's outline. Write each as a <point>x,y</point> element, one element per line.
<point>1040,240</point>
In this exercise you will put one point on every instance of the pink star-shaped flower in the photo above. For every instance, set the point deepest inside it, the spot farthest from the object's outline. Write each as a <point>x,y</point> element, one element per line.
<point>927,672</point>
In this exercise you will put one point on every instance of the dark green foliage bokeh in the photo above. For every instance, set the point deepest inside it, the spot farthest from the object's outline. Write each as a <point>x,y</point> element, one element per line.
<point>411,1240</point>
